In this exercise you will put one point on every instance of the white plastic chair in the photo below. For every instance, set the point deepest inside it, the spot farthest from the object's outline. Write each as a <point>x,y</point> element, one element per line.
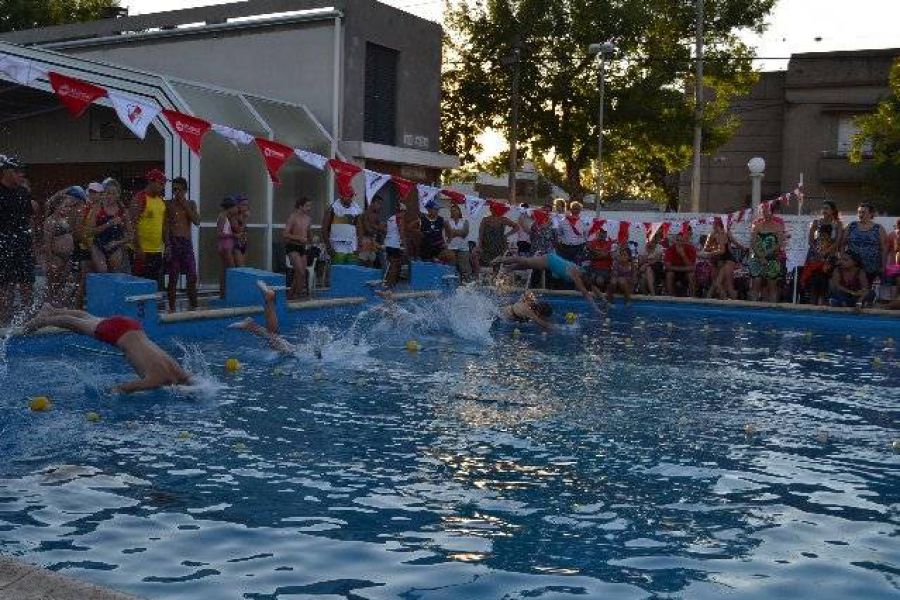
<point>310,274</point>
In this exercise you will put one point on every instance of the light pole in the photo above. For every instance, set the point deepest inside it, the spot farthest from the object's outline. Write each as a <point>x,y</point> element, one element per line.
<point>757,168</point>
<point>603,50</point>
<point>698,109</point>
<point>515,60</point>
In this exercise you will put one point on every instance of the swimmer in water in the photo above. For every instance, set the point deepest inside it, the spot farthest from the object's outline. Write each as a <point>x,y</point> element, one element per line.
<point>154,366</point>
<point>558,266</point>
<point>271,331</point>
<point>529,308</point>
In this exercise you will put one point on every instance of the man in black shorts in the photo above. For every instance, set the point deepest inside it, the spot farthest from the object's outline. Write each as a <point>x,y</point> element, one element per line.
<point>17,211</point>
<point>296,246</point>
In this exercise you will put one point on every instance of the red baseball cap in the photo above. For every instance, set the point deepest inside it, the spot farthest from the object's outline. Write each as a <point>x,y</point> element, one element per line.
<point>155,175</point>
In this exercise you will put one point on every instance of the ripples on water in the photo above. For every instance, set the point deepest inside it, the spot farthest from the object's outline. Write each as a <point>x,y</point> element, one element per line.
<point>639,457</point>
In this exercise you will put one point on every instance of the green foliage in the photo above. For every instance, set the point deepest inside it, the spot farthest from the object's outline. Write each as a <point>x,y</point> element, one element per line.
<point>16,15</point>
<point>648,117</point>
<point>882,129</point>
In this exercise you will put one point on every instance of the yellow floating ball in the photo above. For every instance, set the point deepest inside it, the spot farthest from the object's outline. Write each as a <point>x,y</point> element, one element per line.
<point>571,318</point>
<point>40,404</point>
<point>412,346</point>
<point>232,365</point>
<point>877,362</point>
<point>92,417</point>
<point>516,332</point>
<point>185,435</point>
<point>896,445</point>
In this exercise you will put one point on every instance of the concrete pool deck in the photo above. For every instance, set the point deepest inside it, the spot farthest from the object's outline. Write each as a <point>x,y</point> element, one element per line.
<point>23,581</point>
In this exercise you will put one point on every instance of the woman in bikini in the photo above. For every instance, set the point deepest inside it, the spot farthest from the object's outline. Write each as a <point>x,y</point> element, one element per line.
<point>239,228</point>
<point>622,277</point>
<point>111,230</point>
<point>59,244</point>
<point>225,235</point>
<point>718,249</point>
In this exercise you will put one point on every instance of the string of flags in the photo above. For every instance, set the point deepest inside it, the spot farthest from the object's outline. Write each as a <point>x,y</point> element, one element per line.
<point>137,114</point>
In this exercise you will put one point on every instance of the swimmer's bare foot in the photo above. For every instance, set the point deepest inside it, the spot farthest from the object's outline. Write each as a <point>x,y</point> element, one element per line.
<point>385,294</point>
<point>243,325</point>
<point>267,292</point>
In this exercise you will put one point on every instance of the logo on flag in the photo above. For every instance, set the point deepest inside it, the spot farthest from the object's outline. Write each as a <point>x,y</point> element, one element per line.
<point>134,114</point>
<point>274,155</point>
<point>190,129</point>
<point>75,94</point>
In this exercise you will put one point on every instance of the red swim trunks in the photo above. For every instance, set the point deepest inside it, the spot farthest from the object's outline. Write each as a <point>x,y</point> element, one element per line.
<point>112,329</point>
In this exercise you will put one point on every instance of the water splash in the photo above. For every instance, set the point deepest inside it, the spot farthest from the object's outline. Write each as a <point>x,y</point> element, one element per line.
<point>322,344</point>
<point>204,384</point>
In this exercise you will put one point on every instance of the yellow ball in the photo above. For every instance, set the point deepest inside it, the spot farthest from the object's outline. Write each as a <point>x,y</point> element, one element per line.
<point>185,435</point>
<point>896,445</point>
<point>40,404</point>
<point>412,346</point>
<point>232,365</point>
<point>516,332</point>
<point>92,417</point>
<point>877,362</point>
<point>571,317</point>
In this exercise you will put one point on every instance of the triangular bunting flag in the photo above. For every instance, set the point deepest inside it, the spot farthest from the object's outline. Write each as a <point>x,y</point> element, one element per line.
<point>403,186</point>
<point>596,226</point>
<point>274,155</point>
<point>75,94</point>
<point>20,70</point>
<point>190,129</point>
<point>497,208</point>
<point>540,216</point>
<point>455,197</point>
<point>624,232</point>
<point>312,159</point>
<point>648,229</point>
<point>135,114</point>
<point>374,182</point>
<point>474,204</point>
<point>235,136</point>
<point>344,173</point>
<point>427,194</point>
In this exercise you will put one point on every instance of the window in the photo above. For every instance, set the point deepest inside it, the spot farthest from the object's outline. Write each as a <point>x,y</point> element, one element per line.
<point>381,94</point>
<point>847,128</point>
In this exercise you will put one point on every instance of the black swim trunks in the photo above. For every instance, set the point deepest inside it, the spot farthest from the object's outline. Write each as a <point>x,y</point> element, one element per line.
<point>294,248</point>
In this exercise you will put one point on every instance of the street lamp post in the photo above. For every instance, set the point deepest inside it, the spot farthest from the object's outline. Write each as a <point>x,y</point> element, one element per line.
<point>601,49</point>
<point>757,168</point>
<point>515,60</point>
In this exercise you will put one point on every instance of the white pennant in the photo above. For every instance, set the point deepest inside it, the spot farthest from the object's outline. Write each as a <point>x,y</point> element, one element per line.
<point>135,114</point>
<point>311,158</point>
<point>235,136</point>
<point>20,70</point>
<point>474,204</point>
<point>427,193</point>
<point>374,182</point>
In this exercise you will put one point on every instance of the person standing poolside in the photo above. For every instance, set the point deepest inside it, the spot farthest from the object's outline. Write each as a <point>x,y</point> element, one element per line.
<point>492,241</point>
<point>111,230</point>
<point>718,249</point>
<point>456,229</point>
<point>341,230</point>
<point>239,219</point>
<point>17,211</point>
<point>766,246</point>
<point>394,245</point>
<point>152,364</point>
<point>572,234</point>
<point>225,239</point>
<point>148,209</point>
<point>59,244</point>
<point>542,233</point>
<point>371,234</point>
<point>868,241</point>
<point>432,227</point>
<point>270,332</point>
<point>558,267</point>
<point>296,242</point>
<point>523,236</point>
<point>830,216</point>
<point>181,218</point>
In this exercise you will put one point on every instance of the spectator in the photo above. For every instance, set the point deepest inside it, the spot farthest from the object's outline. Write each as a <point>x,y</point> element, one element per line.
<point>432,227</point>
<point>543,233</point>
<point>296,246</point>
<point>457,231</point>
<point>394,244</point>
<point>149,215</point>
<point>572,235</point>
<point>849,283</point>
<point>830,216</point>
<point>718,249</point>
<point>372,235</point>
<point>820,262</point>
<point>523,236</point>
<point>600,251</point>
<point>892,271</point>
<point>622,276</point>
<point>680,261</point>
<point>868,241</point>
<point>181,218</point>
<point>225,236</point>
<point>17,211</point>
<point>766,248</point>
<point>59,244</point>
<point>341,230</point>
<point>239,222</point>
<point>84,240</point>
<point>492,242</point>
<point>111,229</point>
<point>650,263</point>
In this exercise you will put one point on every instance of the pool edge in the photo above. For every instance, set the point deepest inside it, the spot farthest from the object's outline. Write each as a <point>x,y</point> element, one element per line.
<point>19,579</point>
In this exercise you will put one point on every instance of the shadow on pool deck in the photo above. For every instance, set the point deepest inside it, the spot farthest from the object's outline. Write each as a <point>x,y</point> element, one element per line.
<point>22,581</point>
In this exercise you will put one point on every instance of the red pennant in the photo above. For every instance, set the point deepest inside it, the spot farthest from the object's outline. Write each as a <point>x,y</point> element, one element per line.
<point>344,173</point>
<point>275,155</point>
<point>541,216</point>
<point>685,226</point>
<point>596,226</point>
<point>666,227</point>
<point>648,229</point>
<point>403,186</point>
<point>190,129</point>
<point>75,94</point>
<point>455,197</point>
<point>624,231</point>
<point>498,209</point>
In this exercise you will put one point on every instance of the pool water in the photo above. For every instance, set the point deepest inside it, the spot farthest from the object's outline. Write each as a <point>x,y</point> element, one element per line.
<point>662,453</point>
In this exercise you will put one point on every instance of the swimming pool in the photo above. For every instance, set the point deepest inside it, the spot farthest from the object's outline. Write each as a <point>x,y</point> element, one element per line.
<point>666,452</point>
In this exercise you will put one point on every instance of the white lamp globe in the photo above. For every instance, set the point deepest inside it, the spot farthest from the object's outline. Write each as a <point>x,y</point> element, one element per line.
<point>756,165</point>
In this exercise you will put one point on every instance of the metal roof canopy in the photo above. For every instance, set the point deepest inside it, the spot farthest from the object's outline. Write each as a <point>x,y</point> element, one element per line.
<point>233,108</point>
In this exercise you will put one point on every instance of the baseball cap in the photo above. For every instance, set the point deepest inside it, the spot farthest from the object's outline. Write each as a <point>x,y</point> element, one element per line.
<point>155,175</point>
<point>11,162</point>
<point>76,191</point>
<point>95,187</point>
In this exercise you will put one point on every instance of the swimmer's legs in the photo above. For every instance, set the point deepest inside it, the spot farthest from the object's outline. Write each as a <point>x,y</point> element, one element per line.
<point>77,321</point>
<point>269,306</point>
<point>523,262</point>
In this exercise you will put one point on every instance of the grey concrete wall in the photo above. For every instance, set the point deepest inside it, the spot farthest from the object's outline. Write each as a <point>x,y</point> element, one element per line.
<point>418,70</point>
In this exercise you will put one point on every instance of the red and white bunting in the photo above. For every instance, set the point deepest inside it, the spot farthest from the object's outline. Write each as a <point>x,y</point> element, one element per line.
<point>20,70</point>
<point>427,193</point>
<point>474,204</point>
<point>312,159</point>
<point>75,94</point>
<point>374,182</point>
<point>135,114</point>
<point>190,129</point>
<point>455,197</point>
<point>344,173</point>
<point>402,186</point>
<point>597,225</point>
<point>540,216</point>
<point>235,136</point>
<point>497,208</point>
<point>624,232</point>
<point>274,155</point>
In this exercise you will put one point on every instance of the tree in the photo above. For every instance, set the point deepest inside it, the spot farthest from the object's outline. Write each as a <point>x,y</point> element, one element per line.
<point>16,15</point>
<point>881,129</point>
<point>649,117</point>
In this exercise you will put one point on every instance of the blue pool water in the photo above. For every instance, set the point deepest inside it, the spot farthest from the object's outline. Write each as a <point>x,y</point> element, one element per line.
<point>669,452</point>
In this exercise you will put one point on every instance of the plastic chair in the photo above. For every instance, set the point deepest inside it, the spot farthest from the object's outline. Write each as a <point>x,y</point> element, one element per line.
<point>310,274</point>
